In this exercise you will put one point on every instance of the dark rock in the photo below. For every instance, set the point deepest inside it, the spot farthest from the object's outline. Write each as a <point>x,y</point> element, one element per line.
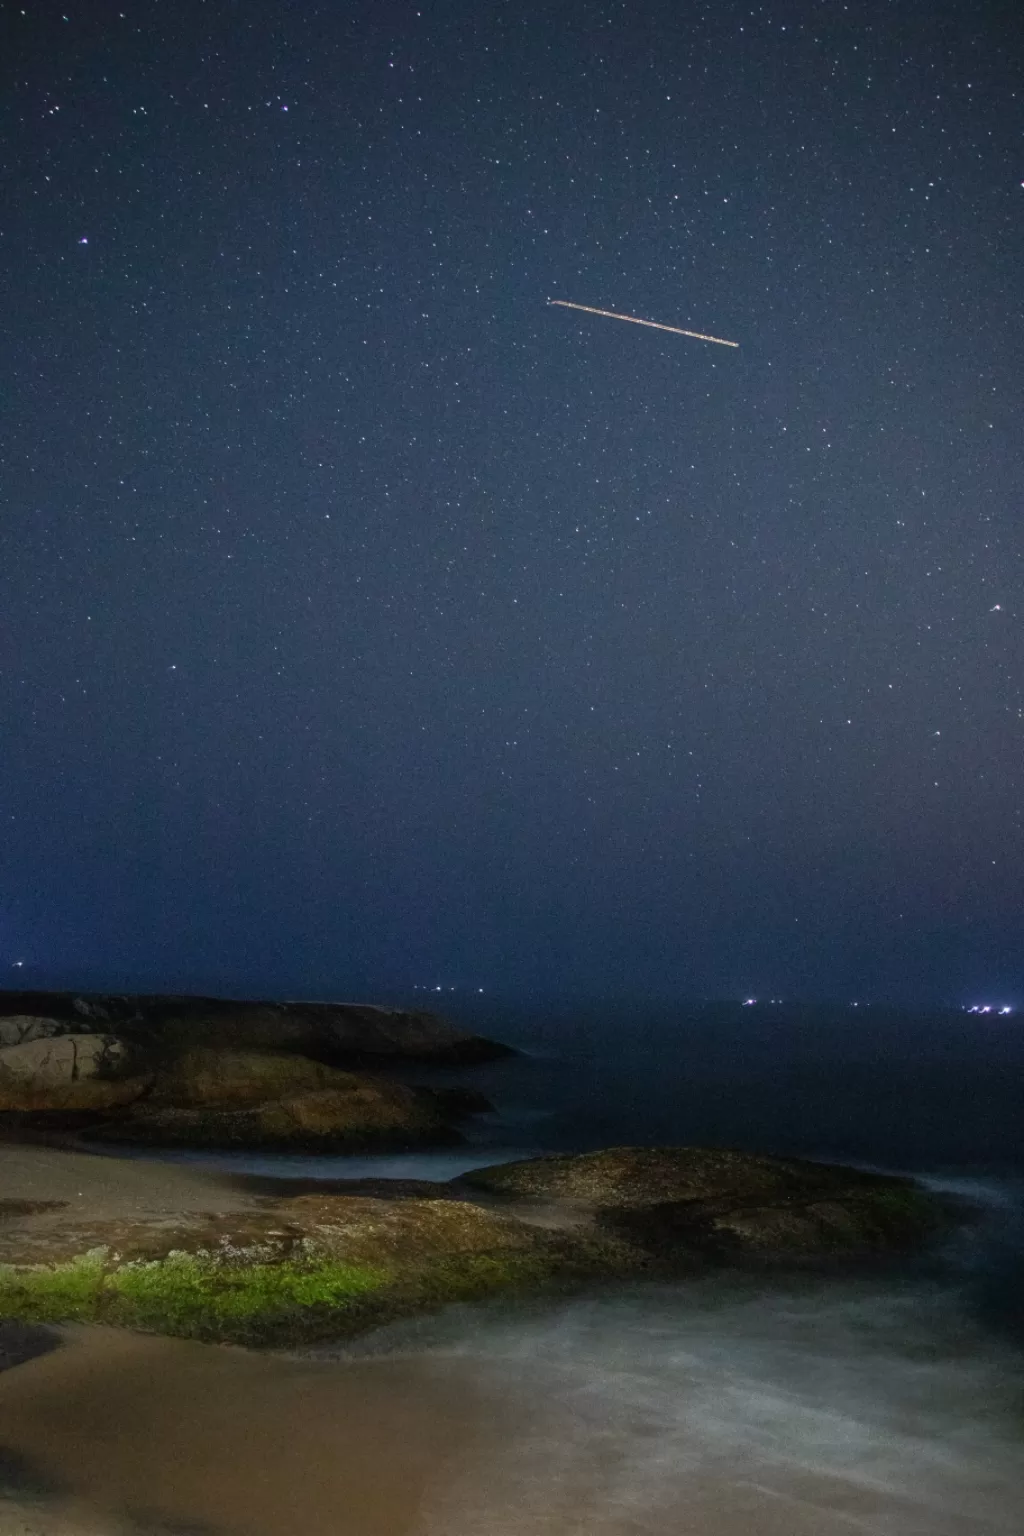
<point>458,1102</point>
<point>14,1210</point>
<point>675,1200</point>
<point>336,1033</point>
<point>213,1072</point>
<point>24,1341</point>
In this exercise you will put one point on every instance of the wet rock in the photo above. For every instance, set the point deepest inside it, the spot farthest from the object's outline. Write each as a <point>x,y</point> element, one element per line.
<point>68,1073</point>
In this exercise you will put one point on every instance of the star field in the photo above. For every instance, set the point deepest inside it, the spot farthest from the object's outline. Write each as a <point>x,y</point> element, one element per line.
<point>369,622</point>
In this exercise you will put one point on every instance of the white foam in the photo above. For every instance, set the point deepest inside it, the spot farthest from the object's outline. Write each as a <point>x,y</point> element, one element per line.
<point>878,1409</point>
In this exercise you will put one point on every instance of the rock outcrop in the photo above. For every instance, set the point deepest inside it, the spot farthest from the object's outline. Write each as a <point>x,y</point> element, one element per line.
<point>324,1265</point>
<point>672,1201</point>
<point>337,1033</point>
<point>76,1072</point>
<point>198,1072</point>
<point>309,1268</point>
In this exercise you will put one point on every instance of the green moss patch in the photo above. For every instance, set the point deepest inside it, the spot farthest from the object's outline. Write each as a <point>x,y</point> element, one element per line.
<point>190,1295</point>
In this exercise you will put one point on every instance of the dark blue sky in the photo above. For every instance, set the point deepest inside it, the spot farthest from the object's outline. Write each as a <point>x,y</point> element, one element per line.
<point>368,622</point>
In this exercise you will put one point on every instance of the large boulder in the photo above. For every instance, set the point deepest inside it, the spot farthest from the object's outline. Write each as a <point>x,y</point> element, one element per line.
<point>675,1200</point>
<point>65,1073</point>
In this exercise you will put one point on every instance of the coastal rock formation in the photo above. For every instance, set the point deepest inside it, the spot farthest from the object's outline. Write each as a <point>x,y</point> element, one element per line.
<point>675,1200</point>
<point>68,1072</point>
<point>336,1033</point>
<point>313,1267</point>
<point>325,1265</point>
<point>205,1072</point>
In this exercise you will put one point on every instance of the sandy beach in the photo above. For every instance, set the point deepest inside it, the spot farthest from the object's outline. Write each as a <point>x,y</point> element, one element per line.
<point>48,1191</point>
<point>109,1188</point>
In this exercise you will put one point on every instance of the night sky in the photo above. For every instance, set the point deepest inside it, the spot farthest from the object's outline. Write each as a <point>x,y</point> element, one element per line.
<point>369,623</point>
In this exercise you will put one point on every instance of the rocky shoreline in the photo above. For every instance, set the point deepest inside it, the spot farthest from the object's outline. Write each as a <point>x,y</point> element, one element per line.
<point>211,1260</point>
<point>297,1269</point>
<point>207,1072</point>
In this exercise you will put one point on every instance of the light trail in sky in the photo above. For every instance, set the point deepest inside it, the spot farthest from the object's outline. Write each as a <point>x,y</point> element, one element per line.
<point>655,325</point>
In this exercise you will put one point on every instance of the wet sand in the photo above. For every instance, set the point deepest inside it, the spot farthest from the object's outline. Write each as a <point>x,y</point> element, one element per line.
<point>164,1432</point>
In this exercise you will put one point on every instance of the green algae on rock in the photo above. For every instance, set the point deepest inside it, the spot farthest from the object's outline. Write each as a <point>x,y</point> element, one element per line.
<point>306,1269</point>
<point>326,1265</point>
<point>186,1294</point>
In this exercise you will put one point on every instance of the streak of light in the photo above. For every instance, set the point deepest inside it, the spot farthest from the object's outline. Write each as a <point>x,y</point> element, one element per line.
<point>655,325</point>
